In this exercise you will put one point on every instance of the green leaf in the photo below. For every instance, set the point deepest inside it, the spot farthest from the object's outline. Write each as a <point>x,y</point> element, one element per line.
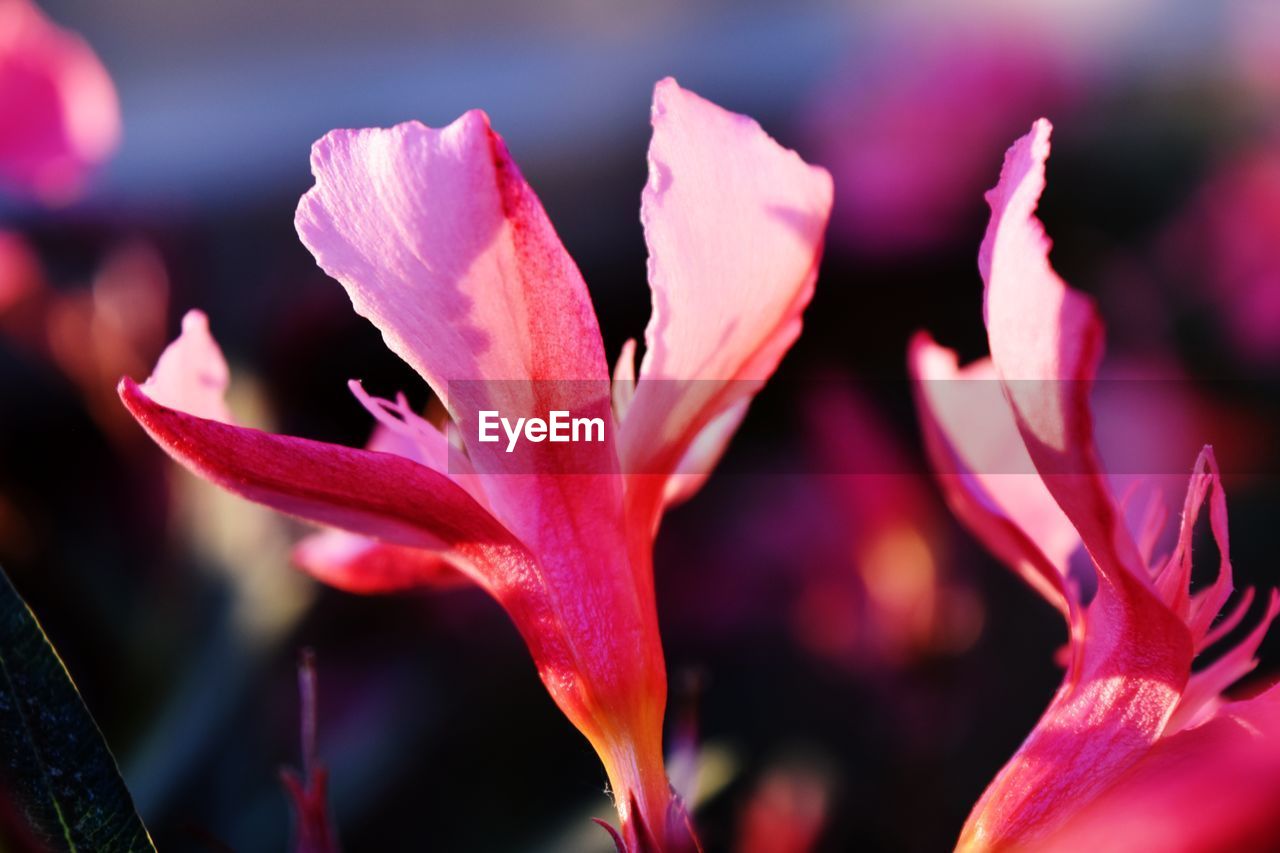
<point>56,772</point>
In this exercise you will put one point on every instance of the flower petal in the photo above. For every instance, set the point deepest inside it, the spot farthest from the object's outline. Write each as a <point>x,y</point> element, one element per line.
<point>377,494</point>
<point>442,245</point>
<point>363,565</point>
<point>734,224</point>
<point>1046,341</point>
<point>1210,788</point>
<point>985,473</point>
<point>191,374</point>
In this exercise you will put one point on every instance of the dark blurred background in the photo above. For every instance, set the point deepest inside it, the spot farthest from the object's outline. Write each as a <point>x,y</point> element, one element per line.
<point>851,657</point>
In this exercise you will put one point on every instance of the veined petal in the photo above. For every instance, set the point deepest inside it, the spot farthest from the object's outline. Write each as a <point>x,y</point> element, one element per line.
<point>1135,655</point>
<point>734,224</point>
<point>442,245</point>
<point>181,405</point>
<point>59,116</point>
<point>377,494</point>
<point>1210,788</point>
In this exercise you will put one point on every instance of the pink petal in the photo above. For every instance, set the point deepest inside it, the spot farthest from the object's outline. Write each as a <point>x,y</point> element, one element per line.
<point>59,116</point>
<point>734,224</point>
<point>1046,341</point>
<point>1136,654</point>
<point>191,374</point>
<point>363,565</point>
<point>703,454</point>
<point>986,475</point>
<point>624,380</point>
<point>442,245</point>
<point>376,494</point>
<point>1208,789</point>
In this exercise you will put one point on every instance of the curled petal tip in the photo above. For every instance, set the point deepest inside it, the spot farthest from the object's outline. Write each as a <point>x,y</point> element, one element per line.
<point>613,834</point>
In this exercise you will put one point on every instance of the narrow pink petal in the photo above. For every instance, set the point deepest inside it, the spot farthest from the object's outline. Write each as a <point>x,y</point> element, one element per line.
<point>1136,654</point>
<point>1208,603</point>
<point>191,374</point>
<point>703,454</point>
<point>59,116</point>
<point>376,494</point>
<point>986,474</point>
<point>1233,618</point>
<point>1046,341</point>
<point>359,564</point>
<point>1203,693</point>
<point>734,224</point>
<point>624,380</point>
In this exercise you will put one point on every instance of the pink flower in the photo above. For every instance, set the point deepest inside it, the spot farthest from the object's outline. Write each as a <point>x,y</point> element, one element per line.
<point>444,247</point>
<point>59,117</point>
<point>1018,464</point>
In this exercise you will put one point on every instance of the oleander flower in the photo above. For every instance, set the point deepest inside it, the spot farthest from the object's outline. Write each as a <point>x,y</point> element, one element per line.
<point>441,243</point>
<point>59,116</point>
<point>1016,458</point>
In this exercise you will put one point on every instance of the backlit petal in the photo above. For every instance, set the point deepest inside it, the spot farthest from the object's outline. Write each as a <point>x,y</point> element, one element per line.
<point>1135,657</point>
<point>734,224</point>
<point>359,564</point>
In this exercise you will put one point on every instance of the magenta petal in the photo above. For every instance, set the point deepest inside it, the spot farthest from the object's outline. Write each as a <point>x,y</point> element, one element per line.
<point>985,473</point>
<point>1135,655</point>
<point>363,565</point>
<point>376,494</point>
<point>734,224</point>
<point>1208,789</point>
<point>440,243</point>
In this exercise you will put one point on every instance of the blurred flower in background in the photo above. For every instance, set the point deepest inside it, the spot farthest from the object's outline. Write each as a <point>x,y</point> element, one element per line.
<point>907,128</point>
<point>60,115</point>
<point>1221,250</point>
